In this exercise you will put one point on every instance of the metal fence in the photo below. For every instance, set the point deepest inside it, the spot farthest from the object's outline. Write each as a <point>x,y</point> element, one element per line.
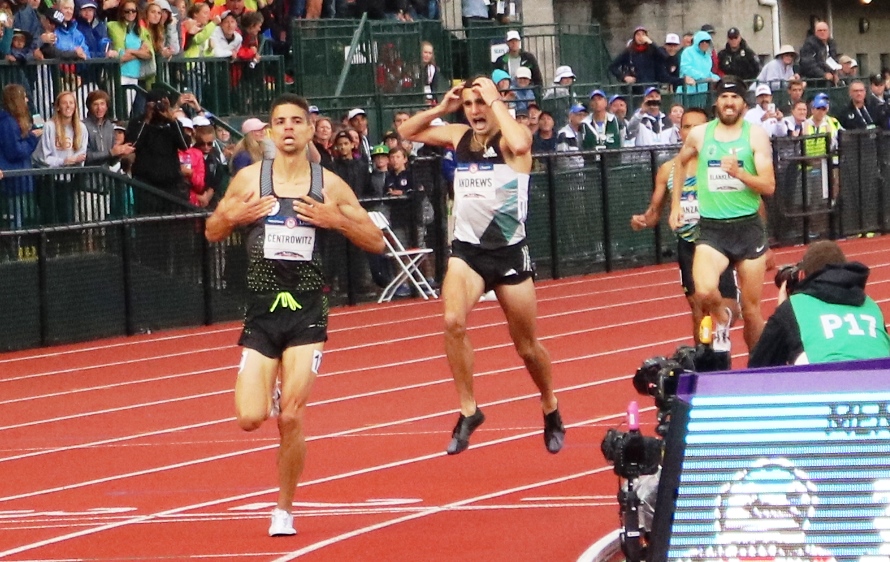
<point>88,253</point>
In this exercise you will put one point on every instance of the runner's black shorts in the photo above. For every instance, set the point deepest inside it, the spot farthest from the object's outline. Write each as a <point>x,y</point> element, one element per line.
<point>510,265</point>
<point>685,252</point>
<point>272,331</point>
<point>738,239</point>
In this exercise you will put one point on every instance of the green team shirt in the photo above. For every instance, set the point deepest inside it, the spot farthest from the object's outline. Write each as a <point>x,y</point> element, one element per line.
<point>839,332</point>
<point>721,196</point>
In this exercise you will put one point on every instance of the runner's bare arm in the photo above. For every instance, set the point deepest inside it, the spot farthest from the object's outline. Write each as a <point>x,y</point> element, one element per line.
<point>764,182</point>
<point>418,128</point>
<point>650,218</point>
<point>515,137</point>
<point>687,153</point>
<point>342,212</point>
<point>240,206</point>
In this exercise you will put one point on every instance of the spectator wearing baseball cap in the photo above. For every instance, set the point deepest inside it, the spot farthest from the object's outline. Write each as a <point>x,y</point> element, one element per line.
<point>780,69</point>
<point>848,71</point>
<point>696,64</point>
<point>515,58</point>
<point>640,63</point>
<point>737,58</point>
<point>648,123</point>
<point>618,108</point>
<point>358,120</point>
<point>875,99</point>
<point>601,129</point>
<point>765,114</point>
<point>93,29</point>
<point>670,54</point>
<point>570,137</point>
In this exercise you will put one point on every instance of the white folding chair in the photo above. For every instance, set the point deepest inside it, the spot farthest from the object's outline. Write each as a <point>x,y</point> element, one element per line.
<point>408,261</point>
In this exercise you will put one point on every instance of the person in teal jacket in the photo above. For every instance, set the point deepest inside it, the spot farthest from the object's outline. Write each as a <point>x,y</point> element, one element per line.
<point>696,63</point>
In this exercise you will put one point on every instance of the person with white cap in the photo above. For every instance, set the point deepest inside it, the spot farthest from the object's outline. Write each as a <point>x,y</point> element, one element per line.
<point>564,79</point>
<point>640,63</point>
<point>780,69</point>
<point>285,203</point>
<point>191,163</point>
<point>358,120</point>
<point>670,54</point>
<point>516,57</point>
<point>522,89</point>
<point>164,28</point>
<point>489,250</point>
<point>765,114</point>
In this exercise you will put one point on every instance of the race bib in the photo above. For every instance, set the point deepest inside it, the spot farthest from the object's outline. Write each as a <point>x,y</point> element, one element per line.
<point>284,239</point>
<point>689,206</point>
<point>718,180</point>
<point>475,182</point>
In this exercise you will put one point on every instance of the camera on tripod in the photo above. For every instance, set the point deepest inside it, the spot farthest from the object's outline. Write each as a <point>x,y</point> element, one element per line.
<point>631,453</point>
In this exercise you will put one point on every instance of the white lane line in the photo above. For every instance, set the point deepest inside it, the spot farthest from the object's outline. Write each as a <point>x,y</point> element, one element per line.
<point>353,431</point>
<point>116,385</point>
<point>436,510</point>
<point>116,440</point>
<point>543,287</point>
<point>360,395</point>
<point>112,410</point>
<point>332,478</point>
<point>498,322</point>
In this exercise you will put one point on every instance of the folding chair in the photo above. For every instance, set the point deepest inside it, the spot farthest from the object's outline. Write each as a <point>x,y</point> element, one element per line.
<point>409,262</point>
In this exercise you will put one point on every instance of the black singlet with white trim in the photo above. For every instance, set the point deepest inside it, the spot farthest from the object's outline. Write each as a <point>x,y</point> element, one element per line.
<point>273,275</point>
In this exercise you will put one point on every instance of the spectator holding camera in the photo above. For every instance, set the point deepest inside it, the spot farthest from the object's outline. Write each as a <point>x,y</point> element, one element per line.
<point>158,138</point>
<point>640,63</point>
<point>823,315</point>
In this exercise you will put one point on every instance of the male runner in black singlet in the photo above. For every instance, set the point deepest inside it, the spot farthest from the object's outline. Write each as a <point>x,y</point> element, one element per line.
<point>283,201</point>
<point>489,250</point>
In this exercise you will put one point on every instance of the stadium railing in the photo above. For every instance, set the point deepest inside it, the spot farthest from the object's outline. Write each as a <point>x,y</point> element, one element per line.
<point>90,253</point>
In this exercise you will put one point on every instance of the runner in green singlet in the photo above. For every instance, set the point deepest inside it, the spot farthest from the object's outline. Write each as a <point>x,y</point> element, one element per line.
<point>735,168</point>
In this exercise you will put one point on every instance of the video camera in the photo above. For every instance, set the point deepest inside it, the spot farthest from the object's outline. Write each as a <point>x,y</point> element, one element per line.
<point>790,275</point>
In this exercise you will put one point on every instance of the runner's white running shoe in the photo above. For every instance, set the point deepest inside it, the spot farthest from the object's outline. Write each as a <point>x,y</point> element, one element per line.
<point>721,335</point>
<point>282,524</point>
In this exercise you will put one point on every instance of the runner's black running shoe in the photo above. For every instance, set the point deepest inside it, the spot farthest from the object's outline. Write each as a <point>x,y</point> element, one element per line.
<point>460,437</point>
<point>554,432</point>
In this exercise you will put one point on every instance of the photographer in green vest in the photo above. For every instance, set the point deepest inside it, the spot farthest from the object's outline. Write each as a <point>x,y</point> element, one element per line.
<point>823,315</point>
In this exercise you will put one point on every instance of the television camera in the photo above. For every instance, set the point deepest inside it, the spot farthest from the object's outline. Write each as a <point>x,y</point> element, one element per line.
<point>637,458</point>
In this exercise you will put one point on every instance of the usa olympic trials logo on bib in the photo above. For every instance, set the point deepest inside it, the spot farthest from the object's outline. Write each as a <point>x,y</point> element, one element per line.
<point>290,222</point>
<point>474,168</point>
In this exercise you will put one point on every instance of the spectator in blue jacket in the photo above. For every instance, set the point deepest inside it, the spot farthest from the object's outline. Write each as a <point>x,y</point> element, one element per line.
<point>641,63</point>
<point>18,139</point>
<point>94,30</point>
<point>696,63</point>
<point>69,44</point>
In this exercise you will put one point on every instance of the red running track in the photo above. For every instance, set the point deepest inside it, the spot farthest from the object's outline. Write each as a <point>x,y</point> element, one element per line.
<point>127,448</point>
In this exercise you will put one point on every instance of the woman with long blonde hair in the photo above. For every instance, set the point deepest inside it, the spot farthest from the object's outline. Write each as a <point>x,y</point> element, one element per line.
<point>251,147</point>
<point>18,139</point>
<point>64,143</point>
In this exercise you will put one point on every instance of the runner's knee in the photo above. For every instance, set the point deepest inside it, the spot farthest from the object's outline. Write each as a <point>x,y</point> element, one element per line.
<point>455,325</point>
<point>249,422</point>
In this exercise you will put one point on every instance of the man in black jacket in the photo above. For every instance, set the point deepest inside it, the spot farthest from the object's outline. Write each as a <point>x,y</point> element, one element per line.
<point>828,316</point>
<point>816,51</point>
<point>641,63</point>
<point>516,57</point>
<point>738,59</point>
<point>861,113</point>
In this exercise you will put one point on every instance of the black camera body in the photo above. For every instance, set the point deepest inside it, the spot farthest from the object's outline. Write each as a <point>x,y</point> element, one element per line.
<point>790,275</point>
<point>631,453</point>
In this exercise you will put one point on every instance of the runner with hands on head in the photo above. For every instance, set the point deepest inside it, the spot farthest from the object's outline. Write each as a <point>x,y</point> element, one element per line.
<point>489,250</point>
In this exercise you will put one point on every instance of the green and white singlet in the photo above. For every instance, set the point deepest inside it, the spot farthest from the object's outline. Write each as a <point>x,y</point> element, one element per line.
<point>721,196</point>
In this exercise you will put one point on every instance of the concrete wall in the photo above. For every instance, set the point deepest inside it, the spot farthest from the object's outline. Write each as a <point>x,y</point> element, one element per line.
<point>620,17</point>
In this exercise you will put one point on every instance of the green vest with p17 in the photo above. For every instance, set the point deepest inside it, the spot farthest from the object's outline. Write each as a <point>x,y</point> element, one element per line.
<point>721,196</point>
<point>839,332</point>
